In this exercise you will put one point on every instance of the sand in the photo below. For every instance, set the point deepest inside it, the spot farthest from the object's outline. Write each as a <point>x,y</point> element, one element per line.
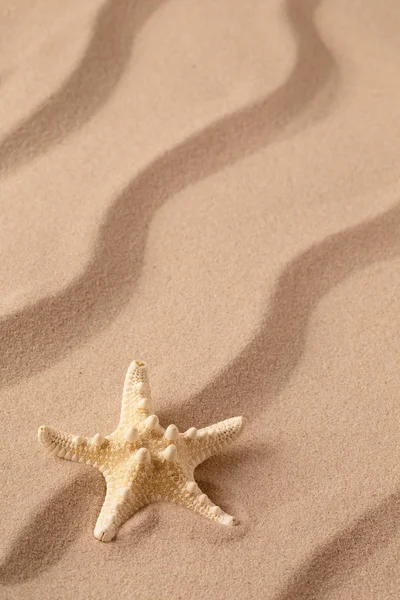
<point>214,188</point>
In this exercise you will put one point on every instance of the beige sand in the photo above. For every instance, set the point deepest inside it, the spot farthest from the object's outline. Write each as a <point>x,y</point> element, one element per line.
<point>212,187</point>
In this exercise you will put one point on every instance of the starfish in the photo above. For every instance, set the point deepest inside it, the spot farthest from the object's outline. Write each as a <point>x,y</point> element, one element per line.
<point>143,463</point>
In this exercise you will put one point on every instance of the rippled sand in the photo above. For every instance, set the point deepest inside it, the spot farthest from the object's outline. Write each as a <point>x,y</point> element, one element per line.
<point>214,188</point>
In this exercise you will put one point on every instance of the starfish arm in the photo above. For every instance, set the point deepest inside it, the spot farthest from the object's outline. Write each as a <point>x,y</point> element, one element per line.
<point>125,495</point>
<point>213,439</point>
<point>91,451</point>
<point>136,397</point>
<point>192,497</point>
<point>119,505</point>
<point>64,445</point>
<point>107,523</point>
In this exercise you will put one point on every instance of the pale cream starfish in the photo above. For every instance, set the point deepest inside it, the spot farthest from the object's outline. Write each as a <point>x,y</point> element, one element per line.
<point>143,463</point>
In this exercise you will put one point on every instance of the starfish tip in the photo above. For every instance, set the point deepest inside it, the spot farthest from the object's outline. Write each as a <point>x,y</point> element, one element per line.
<point>44,435</point>
<point>105,532</point>
<point>228,520</point>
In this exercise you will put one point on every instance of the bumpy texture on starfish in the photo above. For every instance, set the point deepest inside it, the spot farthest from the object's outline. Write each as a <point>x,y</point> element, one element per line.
<point>143,463</point>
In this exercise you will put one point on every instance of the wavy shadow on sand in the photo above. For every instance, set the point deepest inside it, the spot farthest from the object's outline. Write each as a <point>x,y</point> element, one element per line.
<point>259,373</point>
<point>345,552</point>
<point>87,89</point>
<point>70,317</point>
<point>42,542</point>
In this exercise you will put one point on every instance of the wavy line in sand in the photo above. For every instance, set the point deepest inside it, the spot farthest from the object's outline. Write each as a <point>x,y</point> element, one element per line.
<point>345,552</point>
<point>86,90</point>
<point>42,542</point>
<point>70,317</point>
<point>264,367</point>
